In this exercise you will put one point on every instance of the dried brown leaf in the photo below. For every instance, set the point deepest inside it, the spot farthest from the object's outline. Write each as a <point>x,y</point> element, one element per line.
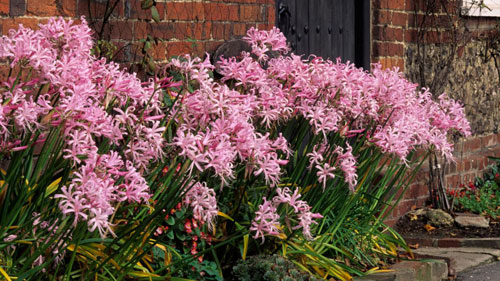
<point>429,227</point>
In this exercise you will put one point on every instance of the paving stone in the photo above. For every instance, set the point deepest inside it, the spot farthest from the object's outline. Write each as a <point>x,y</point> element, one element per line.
<point>436,264</point>
<point>463,259</point>
<point>474,221</point>
<point>439,269</point>
<point>433,250</point>
<point>386,276</point>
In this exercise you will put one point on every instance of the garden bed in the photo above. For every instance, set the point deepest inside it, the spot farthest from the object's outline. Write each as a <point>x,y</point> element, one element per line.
<point>416,228</point>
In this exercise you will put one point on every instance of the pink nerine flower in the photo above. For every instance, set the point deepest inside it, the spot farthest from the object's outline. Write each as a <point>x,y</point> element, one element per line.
<point>324,173</point>
<point>348,166</point>
<point>264,41</point>
<point>265,221</point>
<point>305,222</point>
<point>93,102</point>
<point>203,203</point>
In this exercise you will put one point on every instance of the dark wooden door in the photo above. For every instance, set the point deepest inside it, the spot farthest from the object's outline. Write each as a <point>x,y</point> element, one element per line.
<point>327,28</point>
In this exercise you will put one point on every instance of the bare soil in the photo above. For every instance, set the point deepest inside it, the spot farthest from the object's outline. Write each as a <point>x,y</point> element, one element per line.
<point>416,229</point>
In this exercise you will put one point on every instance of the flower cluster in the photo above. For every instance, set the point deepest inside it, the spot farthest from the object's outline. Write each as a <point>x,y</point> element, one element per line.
<point>94,102</point>
<point>217,127</point>
<point>334,95</point>
<point>202,201</point>
<point>266,221</point>
<point>264,41</point>
<point>219,122</point>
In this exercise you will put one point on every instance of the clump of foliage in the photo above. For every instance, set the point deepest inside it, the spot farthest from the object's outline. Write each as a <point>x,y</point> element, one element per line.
<point>269,268</point>
<point>481,197</point>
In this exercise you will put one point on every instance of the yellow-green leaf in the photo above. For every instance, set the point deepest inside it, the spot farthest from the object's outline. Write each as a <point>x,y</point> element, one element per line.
<point>4,274</point>
<point>224,215</point>
<point>245,246</point>
<point>53,187</point>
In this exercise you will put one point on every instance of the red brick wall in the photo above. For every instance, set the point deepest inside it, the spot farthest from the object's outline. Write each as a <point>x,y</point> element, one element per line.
<point>471,160</point>
<point>188,26</point>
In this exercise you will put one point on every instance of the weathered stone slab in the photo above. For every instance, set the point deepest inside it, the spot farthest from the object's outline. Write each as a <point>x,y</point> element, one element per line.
<point>472,221</point>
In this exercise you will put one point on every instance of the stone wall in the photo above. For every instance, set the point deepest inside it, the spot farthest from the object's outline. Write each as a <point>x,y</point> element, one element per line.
<point>471,78</point>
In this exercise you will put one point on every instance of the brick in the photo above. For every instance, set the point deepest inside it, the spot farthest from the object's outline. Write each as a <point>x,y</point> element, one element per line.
<point>479,161</point>
<point>421,242</point>
<point>168,30</point>
<point>41,8</point>
<point>4,7</point>
<point>185,11</point>
<point>382,17</point>
<point>390,222</point>
<point>239,29</point>
<point>159,51</point>
<point>390,4</point>
<point>392,62</point>
<point>488,141</point>
<point>133,10</point>
<point>400,19</point>
<point>452,181</point>
<point>251,13</point>
<point>17,8</point>
<point>121,30</point>
<point>498,138</point>
<point>200,31</point>
<point>140,30</point>
<point>405,206</point>
<point>262,26</point>
<point>387,33</point>
<point>67,8</point>
<point>93,9</point>
<point>271,14</point>
<point>416,191</point>
<point>472,144</point>
<point>13,23</point>
<point>467,165</point>
<point>412,5</point>
<point>415,20</point>
<point>432,36</point>
<point>221,12</point>
<point>178,48</point>
<point>482,163</point>
<point>221,30</point>
<point>410,35</point>
<point>460,165</point>
<point>449,242</point>
<point>451,168</point>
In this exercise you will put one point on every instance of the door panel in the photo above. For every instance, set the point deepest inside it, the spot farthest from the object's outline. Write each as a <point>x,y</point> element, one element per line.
<point>326,28</point>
